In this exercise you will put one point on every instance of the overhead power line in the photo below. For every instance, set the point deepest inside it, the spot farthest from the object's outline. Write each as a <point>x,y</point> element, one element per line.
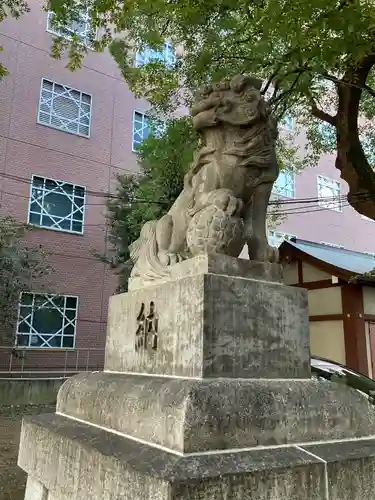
<point>293,206</point>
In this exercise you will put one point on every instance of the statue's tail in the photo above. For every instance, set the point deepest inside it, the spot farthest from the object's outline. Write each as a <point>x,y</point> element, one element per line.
<point>144,254</point>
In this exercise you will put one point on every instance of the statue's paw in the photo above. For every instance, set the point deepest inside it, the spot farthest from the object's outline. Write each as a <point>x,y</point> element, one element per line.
<point>173,259</point>
<point>168,258</point>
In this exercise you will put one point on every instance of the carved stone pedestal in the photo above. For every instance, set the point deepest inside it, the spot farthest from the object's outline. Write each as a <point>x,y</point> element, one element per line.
<point>206,394</point>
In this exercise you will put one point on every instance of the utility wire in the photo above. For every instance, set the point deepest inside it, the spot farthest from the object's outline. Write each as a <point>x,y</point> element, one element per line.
<point>340,200</point>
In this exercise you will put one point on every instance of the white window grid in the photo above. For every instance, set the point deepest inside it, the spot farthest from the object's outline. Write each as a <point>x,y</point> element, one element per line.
<point>329,193</point>
<point>166,55</point>
<point>285,184</point>
<point>275,238</point>
<point>82,28</point>
<point>141,128</point>
<point>333,245</point>
<point>57,332</point>
<point>64,108</point>
<point>63,194</point>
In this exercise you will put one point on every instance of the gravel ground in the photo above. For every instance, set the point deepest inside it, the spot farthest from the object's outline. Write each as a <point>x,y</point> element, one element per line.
<point>12,478</point>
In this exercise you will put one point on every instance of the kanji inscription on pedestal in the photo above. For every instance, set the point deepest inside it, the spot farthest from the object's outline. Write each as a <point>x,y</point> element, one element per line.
<point>146,334</point>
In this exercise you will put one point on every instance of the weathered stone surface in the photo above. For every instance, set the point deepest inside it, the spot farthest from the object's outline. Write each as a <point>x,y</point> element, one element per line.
<point>193,416</point>
<point>35,490</point>
<point>213,326</point>
<point>216,264</point>
<point>224,200</point>
<point>79,462</point>
<point>350,468</point>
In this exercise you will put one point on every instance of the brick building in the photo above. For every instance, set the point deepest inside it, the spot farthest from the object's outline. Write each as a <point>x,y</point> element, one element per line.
<point>63,138</point>
<point>316,207</point>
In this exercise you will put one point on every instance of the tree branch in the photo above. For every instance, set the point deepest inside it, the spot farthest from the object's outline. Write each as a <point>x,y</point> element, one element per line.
<point>322,115</point>
<point>271,78</point>
<point>337,81</point>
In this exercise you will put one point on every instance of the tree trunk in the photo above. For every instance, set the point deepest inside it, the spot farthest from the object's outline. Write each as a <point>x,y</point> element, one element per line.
<point>351,159</point>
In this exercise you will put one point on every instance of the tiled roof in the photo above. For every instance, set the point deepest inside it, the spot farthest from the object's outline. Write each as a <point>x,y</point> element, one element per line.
<point>347,260</point>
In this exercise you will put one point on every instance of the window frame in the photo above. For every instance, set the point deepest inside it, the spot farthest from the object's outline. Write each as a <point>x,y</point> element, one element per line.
<point>29,334</point>
<point>293,174</point>
<point>50,125</point>
<point>70,231</point>
<point>50,30</point>
<point>321,202</point>
<point>146,113</point>
<point>143,113</point>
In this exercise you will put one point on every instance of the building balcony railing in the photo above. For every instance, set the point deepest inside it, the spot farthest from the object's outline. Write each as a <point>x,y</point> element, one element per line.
<point>41,363</point>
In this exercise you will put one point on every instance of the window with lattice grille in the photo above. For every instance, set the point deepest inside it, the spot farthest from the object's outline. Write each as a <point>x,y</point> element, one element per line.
<point>166,55</point>
<point>329,194</point>
<point>275,238</point>
<point>46,321</point>
<point>80,28</point>
<point>285,184</point>
<point>64,108</point>
<point>56,205</point>
<point>143,126</point>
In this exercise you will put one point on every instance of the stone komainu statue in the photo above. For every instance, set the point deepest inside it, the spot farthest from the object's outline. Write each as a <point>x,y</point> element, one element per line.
<point>223,204</point>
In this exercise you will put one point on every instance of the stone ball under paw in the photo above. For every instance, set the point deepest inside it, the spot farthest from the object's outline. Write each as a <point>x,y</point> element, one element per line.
<point>212,230</point>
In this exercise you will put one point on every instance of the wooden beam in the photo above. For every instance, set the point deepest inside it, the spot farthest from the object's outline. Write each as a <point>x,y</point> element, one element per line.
<point>316,285</point>
<point>326,317</point>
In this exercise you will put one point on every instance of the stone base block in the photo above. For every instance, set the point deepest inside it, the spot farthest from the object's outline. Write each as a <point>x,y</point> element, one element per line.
<point>74,461</point>
<point>189,416</point>
<point>211,325</point>
<point>215,264</point>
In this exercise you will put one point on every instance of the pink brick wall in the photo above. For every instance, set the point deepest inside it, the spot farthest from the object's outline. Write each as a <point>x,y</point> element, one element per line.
<point>27,148</point>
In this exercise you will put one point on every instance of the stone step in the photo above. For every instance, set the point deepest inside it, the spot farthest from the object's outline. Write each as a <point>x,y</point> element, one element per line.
<point>189,416</point>
<point>68,460</point>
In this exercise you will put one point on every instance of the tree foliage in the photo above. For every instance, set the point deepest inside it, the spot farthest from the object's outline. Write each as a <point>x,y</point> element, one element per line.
<point>11,8</point>
<point>164,159</point>
<point>21,266</point>
<point>318,58</point>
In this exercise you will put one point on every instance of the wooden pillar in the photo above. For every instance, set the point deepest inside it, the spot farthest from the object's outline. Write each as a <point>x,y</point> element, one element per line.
<point>300,271</point>
<point>354,328</point>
